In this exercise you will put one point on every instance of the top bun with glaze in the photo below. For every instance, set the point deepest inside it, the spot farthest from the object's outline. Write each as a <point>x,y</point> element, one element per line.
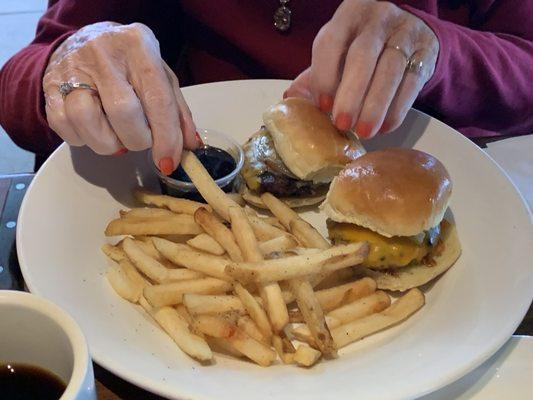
<point>307,141</point>
<point>395,192</point>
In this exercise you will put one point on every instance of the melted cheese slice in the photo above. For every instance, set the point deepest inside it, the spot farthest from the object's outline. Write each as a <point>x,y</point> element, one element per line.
<point>396,251</point>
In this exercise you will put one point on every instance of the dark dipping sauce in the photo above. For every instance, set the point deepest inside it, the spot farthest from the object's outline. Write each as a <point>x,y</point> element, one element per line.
<point>217,162</point>
<point>26,382</point>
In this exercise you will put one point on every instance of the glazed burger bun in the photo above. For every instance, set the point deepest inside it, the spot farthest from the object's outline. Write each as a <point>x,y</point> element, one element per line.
<point>395,192</point>
<point>307,141</point>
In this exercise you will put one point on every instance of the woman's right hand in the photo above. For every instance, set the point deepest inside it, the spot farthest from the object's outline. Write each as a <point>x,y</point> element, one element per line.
<point>137,103</point>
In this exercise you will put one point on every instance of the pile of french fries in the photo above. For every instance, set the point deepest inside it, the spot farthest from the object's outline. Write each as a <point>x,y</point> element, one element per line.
<point>220,277</point>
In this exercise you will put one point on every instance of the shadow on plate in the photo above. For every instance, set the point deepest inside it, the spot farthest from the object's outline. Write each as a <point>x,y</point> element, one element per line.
<point>406,135</point>
<point>118,175</point>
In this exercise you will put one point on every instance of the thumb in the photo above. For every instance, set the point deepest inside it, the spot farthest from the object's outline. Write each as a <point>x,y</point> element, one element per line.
<point>300,86</point>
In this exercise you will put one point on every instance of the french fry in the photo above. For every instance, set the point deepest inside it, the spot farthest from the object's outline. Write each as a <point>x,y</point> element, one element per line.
<point>306,234</point>
<point>263,230</point>
<point>306,356</point>
<point>132,273</point>
<point>337,278</point>
<point>218,231</point>
<point>270,292</point>
<point>212,304</point>
<point>168,294</point>
<point>123,285</point>
<point>150,267</point>
<point>145,305</point>
<point>178,239</point>
<point>149,248</point>
<point>179,224</point>
<point>204,263</point>
<point>277,245</point>
<point>399,311</point>
<point>206,186</point>
<point>283,213</point>
<point>287,358</point>
<point>313,315</point>
<point>221,345</point>
<point>328,260</point>
<point>334,297</point>
<point>177,328</point>
<point>214,326</point>
<point>256,312</point>
<point>146,212</point>
<point>373,303</point>
<point>181,274</point>
<point>240,340</point>
<point>248,325</point>
<point>180,206</point>
<point>206,243</point>
<point>250,211</point>
<point>182,310</point>
<point>113,252</point>
<point>237,198</point>
<point>274,304</point>
<point>244,235</point>
<point>363,307</point>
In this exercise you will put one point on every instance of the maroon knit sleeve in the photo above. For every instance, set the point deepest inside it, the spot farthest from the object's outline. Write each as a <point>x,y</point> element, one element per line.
<point>483,81</point>
<point>22,112</point>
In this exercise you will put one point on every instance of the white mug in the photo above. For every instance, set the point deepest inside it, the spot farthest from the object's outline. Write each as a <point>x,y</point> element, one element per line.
<point>36,332</point>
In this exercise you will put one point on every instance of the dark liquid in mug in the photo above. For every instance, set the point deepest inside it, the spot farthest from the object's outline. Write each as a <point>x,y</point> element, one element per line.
<point>26,382</point>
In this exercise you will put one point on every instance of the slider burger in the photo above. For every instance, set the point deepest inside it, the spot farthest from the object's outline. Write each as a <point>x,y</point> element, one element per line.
<point>295,155</point>
<point>395,199</point>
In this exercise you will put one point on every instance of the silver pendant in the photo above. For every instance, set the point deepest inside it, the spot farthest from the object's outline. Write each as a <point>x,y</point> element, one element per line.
<point>282,17</point>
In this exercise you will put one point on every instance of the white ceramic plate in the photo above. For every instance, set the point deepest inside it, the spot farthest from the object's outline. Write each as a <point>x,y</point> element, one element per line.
<point>470,312</point>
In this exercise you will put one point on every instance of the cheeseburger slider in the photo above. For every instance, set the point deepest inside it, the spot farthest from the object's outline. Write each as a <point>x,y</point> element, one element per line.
<point>295,155</point>
<point>395,199</point>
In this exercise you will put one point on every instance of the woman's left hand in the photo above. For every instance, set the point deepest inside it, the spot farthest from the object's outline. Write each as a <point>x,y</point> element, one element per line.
<point>369,63</point>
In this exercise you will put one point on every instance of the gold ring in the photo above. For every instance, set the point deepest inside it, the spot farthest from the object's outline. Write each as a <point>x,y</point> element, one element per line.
<point>414,66</point>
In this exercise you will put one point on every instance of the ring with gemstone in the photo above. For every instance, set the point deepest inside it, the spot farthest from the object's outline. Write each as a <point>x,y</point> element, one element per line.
<point>66,88</point>
<point>414,65</point>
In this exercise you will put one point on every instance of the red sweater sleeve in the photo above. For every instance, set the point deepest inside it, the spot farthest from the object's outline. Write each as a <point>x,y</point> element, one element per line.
<point>21,99</point>
<point>483,81</point>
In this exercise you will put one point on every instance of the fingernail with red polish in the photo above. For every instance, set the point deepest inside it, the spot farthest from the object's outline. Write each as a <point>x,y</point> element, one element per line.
<point>363,129</point>
<point>166,166</point>
<point>343,121</point>
<point>199,139</point>
<point>285,94</point>
<point>325,102</point>
<point>384,127</point>
<point>120,152</point>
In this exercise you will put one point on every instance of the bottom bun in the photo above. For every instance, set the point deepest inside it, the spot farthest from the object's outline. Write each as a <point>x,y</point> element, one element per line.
<point>416,275</point>
<point>292,202</point>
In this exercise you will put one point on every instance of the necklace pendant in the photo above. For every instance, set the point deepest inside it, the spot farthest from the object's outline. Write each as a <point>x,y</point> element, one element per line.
<point>282,18</point>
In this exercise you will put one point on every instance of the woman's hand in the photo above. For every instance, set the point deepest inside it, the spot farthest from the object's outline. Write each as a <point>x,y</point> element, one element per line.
<point>137,103</point>
<point>359,69</point>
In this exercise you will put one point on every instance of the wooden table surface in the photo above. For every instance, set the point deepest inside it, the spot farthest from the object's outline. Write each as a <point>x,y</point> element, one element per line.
<point>108,385</point>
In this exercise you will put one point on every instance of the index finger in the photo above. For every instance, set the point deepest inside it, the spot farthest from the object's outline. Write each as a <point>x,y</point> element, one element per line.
<point>155,92</point>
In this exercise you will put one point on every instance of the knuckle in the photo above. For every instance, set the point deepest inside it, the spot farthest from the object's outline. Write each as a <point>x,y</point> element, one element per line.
<point>138,32</point>
<point>159,100</point>
<point>328,36</point>
<point>383,9</point>
<point>126,108</point>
